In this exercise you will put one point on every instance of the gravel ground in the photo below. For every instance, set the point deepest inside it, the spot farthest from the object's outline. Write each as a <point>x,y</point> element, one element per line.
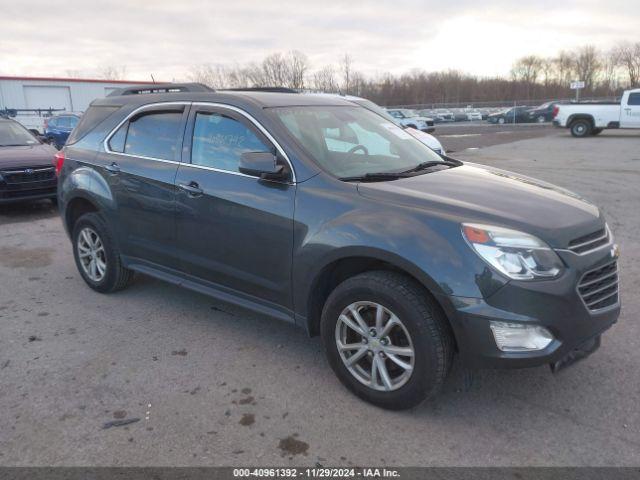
<point>215,385</point>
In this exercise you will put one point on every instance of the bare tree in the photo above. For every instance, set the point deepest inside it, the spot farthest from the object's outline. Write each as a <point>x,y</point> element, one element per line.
<point>527,70</point>
<point>346,63</point>
<point>587,65</point>
<point>324,80</point>
<point>298,66</point>
<point>629,58</point>
<point>564,66</point>
<point>112,72</point>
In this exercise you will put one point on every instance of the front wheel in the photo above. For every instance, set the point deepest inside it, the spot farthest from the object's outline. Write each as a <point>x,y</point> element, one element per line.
<point>386,339</point>
<point>97,256</point>
<point>580,128</point>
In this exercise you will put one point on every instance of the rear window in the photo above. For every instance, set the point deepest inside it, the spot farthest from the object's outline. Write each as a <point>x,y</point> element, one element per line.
<point>90,120</point>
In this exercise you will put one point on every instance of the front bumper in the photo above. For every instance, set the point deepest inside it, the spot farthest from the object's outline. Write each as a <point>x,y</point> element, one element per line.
<point>554,304</point>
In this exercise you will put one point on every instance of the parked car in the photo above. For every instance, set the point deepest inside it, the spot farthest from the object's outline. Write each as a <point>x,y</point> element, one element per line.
<point>26,165</point>
<point>542,113</point>
<point>584,119</point>
<point>396,257</point>
<point>58,128</point>
<point>510,115</point>
<point>474,115</point>
<point>446,115</point>
<point>410,118</point>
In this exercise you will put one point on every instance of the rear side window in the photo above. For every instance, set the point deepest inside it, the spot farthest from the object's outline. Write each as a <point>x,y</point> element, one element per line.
<point>64,122</point>
<point>90,120</point>
<point>634,99</point>
<point>154,135</point>
<point>219,141</point>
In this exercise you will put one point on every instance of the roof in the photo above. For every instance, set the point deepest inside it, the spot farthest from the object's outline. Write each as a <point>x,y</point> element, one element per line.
<point>82,80</point>
<point>254,98</point>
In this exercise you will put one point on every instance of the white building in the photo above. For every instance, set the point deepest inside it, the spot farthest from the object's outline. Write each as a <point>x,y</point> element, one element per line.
<point>70,94</point>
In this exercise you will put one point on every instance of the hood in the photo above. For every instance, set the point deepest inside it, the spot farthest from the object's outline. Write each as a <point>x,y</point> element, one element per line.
<point>38,155</point>
<point>475,193</point>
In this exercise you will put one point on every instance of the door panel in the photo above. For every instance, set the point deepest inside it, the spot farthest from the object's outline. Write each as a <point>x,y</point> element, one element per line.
<point>140,169</point>
<point>630,114</point>
<point>238,232</point>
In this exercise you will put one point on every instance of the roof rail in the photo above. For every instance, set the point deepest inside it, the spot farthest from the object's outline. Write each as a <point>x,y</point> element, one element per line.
<point>160,88</point>
<point>264,89</point>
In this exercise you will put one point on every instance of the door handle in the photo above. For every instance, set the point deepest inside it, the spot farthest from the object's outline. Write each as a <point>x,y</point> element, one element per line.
<point>192,189</point>
<point>114,168</point>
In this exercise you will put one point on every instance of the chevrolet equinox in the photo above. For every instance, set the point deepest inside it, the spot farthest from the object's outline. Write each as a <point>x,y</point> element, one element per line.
<point>319,212</point>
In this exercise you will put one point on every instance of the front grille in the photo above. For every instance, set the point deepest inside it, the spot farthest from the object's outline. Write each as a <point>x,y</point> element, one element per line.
<point>589,242</point>
<point>599,288</point>
<point>28,175</point>
<point>429,123</point>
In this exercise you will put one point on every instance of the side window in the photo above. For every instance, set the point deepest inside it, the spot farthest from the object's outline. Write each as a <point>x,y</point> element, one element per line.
<point>116,143</point>
<point>219,140</point>
<point>53,122</point>
<point>154,134</point>
<point>73,121</point>
<point>63,122</point>
<point>634,99</point>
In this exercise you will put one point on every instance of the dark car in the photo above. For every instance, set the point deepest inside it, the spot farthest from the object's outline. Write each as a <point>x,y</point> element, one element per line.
<point>26,165</point>
<point>399,258</point>
<point>58,128</point>
<point>510,115</point>
<point>542,113</point>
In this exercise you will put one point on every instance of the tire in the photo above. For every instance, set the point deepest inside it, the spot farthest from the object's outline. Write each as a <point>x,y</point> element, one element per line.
<point>580,128</point>
<point>423,328</point>
<point>540,119</point>
<point>596,131</point>
<point>501,121</point>
<point>114,276</point>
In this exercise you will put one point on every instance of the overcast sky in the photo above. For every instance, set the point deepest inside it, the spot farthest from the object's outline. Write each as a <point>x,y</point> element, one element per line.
<point>168,38</point>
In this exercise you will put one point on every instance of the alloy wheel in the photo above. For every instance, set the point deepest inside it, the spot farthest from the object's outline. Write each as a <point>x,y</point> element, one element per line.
<point>92,255</point>
<point>375,346</point>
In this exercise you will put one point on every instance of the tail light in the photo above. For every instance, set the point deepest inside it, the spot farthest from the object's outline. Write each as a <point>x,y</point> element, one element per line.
<point>556,109</point>
<point>58,161</point>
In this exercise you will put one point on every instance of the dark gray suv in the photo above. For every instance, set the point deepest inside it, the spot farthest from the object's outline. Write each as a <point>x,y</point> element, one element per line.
<point>321,213</point>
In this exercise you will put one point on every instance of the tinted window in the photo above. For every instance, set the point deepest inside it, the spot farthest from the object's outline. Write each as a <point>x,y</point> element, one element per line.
<point>154,135</point>
<point>116,143</point>
<point>219,140</point>
<point>634,99</point>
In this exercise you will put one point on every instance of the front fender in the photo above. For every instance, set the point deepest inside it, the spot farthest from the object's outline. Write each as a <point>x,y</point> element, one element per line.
<point>424,244</point>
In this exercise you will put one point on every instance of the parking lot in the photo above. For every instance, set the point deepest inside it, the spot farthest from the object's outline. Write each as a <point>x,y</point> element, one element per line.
<point>212,384</point>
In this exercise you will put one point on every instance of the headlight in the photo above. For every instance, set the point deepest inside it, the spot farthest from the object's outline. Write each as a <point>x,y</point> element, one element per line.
<point>517,255</point>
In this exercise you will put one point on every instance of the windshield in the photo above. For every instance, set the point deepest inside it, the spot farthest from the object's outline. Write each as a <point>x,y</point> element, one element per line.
<point>14,134</point>
<point>353,141</point>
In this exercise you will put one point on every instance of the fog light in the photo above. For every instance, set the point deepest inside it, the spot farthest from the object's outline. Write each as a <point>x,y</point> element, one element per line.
<point>517,337</point>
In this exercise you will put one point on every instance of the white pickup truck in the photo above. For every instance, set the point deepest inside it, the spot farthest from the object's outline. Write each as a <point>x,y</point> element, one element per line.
<point>584,119</point>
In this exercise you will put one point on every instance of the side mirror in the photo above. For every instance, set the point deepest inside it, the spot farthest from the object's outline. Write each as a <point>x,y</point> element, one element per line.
<point>262,164</point>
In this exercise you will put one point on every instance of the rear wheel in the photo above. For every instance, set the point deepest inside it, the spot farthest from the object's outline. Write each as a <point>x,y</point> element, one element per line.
<point>580,128</point>
<point>97,256</point>
<point>386,339</point>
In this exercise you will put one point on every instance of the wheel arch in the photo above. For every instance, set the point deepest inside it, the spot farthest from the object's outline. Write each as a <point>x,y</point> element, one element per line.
<point>580,116</point>
<point>339,269</point>
<point>76,207</point>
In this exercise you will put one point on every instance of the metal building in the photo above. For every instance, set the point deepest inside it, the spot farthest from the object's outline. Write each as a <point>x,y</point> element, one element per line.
<point>42,93</point>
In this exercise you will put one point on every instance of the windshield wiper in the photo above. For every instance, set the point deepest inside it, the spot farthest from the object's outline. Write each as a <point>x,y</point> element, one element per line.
<point>375,177</point>
<point>426,165</point>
